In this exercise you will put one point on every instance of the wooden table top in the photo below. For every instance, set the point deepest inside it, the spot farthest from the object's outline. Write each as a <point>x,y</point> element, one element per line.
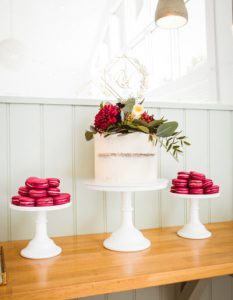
<point>85,268</point>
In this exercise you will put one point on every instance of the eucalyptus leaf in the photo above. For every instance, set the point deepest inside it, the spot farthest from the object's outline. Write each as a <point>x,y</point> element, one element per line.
<point>167,129</point>
<point>129,104</point>
<point>89,135</point>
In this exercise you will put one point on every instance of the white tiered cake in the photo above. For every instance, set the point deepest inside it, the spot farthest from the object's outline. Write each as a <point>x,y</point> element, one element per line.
<point>125,159</point>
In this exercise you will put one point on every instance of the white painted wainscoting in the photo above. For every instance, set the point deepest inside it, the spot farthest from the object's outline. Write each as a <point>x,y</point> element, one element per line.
<point>48,140</point>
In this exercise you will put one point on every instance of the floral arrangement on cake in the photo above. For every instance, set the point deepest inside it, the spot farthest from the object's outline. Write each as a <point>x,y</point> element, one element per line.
<point>127,117</point>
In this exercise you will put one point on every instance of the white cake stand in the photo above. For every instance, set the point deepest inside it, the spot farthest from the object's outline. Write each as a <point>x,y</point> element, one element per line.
<point>41,246</point>
<point>126,237</point>
<point>194,229</point>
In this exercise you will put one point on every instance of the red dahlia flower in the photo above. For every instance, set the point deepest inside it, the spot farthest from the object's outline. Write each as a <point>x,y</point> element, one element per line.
<point>108,115</point>
<point>146,118</point>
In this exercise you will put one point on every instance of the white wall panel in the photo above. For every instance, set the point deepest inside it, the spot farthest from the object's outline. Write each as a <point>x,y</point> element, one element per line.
<point>173,210</point>
<point>221,162</point>
<point>4,182</point>
<point>57,147</point>
<point>90,216</point>
<point>25,160</point>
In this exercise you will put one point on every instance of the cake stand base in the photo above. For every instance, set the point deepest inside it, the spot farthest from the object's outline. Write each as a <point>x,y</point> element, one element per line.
<point>127,238</point>
<point>194,229</point>
<point>41,246</point>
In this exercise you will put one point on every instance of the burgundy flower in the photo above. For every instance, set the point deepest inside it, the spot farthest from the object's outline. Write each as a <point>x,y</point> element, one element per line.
<point>108,115</point>
<point>146,118</point>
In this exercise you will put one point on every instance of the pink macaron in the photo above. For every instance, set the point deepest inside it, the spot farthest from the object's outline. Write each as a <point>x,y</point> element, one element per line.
<point>15,200</point>
<point>197,176</point>
<point>183,175</point>
<point>180,182</point>
<point>207,183</point>
<point>63,198</point>
<point>181,190</point>
<point>53,191</point>
<point>196,191</point>
<point>37,183</point>
<point>195,183</point>
<point>212,190</point>
<point>53,182</point>
<point>173,189</point>
<point>44,201</point>
<point>26,201</point>
<point>23,191</point>
<point>37,193</point>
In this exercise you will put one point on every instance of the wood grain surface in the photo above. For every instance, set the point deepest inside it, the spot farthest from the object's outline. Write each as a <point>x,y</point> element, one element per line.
<point>85,268</point>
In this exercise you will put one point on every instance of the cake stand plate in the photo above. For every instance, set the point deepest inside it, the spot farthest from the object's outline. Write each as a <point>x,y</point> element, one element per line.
<point>194,229</point>
<point>41,246</point>
<point>126,238</point>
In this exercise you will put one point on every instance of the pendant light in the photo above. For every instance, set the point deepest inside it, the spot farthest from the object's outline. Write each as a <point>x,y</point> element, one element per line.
<point>171,14</point>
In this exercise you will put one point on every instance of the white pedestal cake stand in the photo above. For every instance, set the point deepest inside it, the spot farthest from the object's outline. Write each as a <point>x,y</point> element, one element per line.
<point>126,238</point>
<point>194,229</point>
<point>41,246</point>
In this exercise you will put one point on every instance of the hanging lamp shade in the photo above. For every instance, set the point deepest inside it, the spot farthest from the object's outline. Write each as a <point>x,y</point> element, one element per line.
<point>171,14</point>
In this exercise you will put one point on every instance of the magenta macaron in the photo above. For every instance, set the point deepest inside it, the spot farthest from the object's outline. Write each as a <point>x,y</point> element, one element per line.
<point>37,193</point>
<point>183,175</point>
<point>196,191</point>
<point>195,183</point>
<point>26,201</point>
<point>23,191</point>
<point>181,190</point>
<point>197,176</point>
<point>37,183</point>
<point>15,200</point>
<point>207,183</point>
<point>53,182</point>
<point>63,198</point>
<point>212,190</point>
<point>180,182</point>
<point>53,191</point>
<point>44,201</point>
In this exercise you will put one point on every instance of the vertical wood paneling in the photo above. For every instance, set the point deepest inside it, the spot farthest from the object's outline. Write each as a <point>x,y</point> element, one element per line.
<point>4,157</point>
<point>221,288</point>
<point>173,210</point>
<point>221,163</point>
<point>57,143</point>
<point>152,293</point>
<point>90,212</point>
<point>197,156</point>
<point>25,160</point>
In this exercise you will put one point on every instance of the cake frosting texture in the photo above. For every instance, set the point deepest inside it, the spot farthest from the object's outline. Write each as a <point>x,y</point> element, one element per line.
<point>125,159</point>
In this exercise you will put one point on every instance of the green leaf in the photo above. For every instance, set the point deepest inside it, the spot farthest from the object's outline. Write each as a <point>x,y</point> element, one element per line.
<point>167,129</point>
<point>169,148</point>
<point>156,123</point>
<point>89,135</point>
<point>129,104</point>
<point>143,129</point>
<point>187,143</point>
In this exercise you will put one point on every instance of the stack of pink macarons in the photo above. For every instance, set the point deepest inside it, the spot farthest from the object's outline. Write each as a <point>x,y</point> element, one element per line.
<point>40,192</point>
<point>193,183</point>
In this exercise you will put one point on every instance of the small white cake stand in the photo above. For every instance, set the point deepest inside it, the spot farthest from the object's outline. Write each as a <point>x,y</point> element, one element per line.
<point>126,238</point>
<point>41,246</point>
<point>194,229</point>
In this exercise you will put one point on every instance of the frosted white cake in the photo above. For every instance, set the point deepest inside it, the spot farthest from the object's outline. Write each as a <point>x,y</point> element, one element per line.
<point>125,159</point>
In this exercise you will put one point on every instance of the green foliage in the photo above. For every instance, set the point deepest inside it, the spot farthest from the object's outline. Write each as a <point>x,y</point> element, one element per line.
<point>159,131</point>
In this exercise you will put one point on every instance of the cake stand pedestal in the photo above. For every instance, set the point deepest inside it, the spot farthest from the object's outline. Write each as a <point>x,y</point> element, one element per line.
<point>194,229</point>
<point>41,246</point>
<point>126,238</point>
